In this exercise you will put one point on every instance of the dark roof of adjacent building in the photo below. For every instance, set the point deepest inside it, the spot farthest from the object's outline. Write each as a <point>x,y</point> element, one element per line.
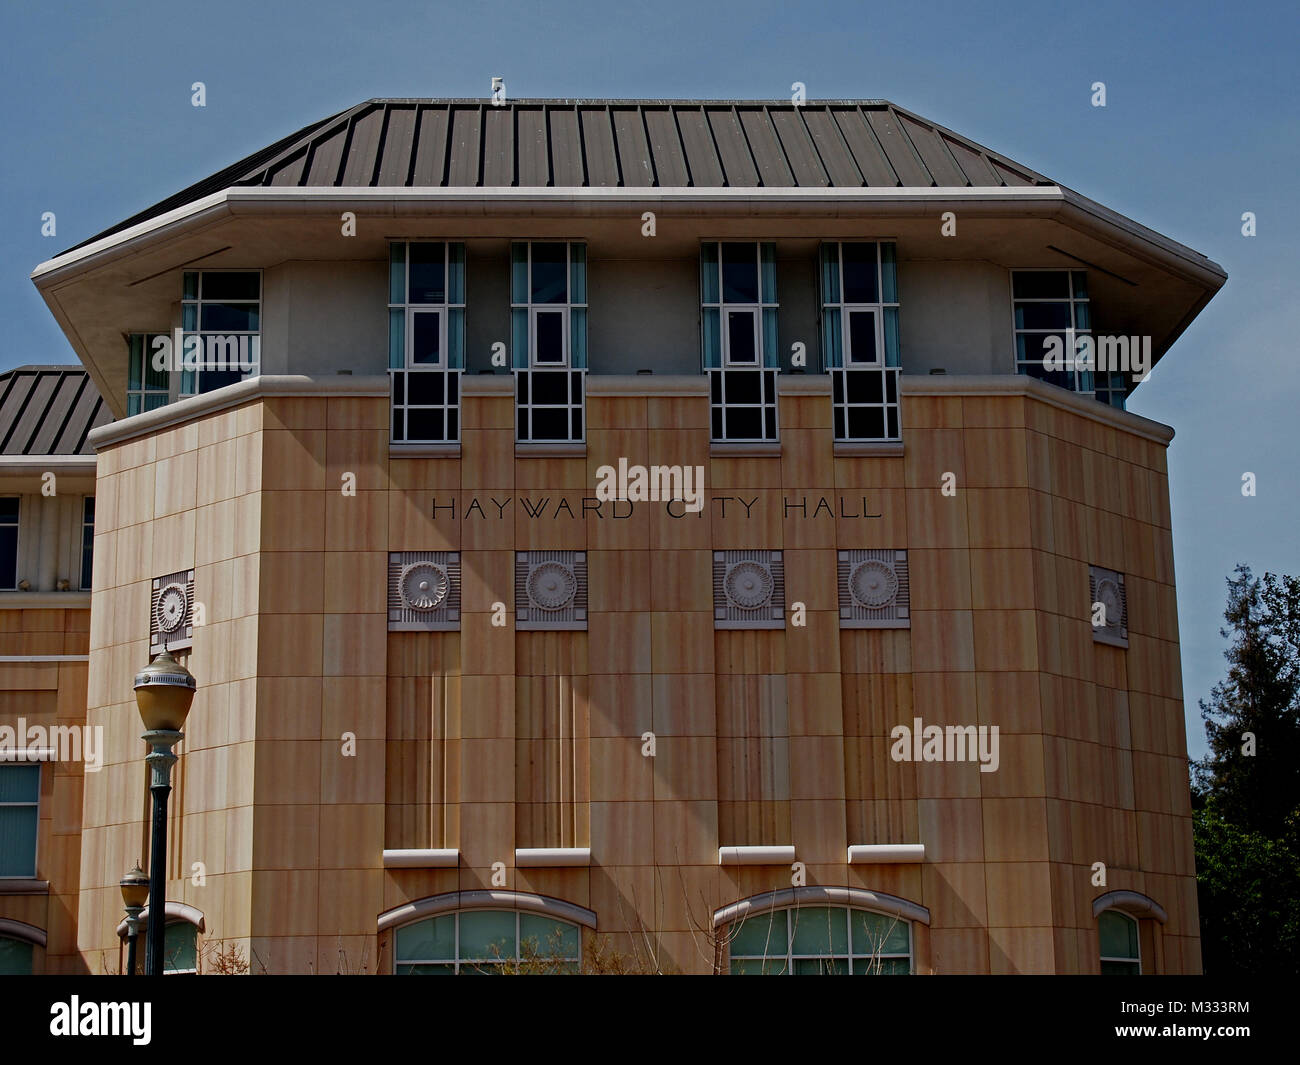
<point>615,143</point>
<point>49,410</point>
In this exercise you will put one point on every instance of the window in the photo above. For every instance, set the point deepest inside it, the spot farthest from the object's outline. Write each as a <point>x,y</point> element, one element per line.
<point>1051,311</point>
<point>821,940</point>
<point>8,542</point>
<point>738,304</point>
<point>20,793</point>
<point>223,310</point>
<point>548,305</point>
<point>180,948</point>
<point>426,339</point>
<point>485,941</point>
<point>87,540</point>
<point>15,957</point>
<point>859,304</point>
<point>147,385</point>
<point>1120,954</point>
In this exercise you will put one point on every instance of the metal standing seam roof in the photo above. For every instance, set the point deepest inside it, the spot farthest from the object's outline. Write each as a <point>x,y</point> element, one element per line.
<point>614,143</point>
<point>49,410</point>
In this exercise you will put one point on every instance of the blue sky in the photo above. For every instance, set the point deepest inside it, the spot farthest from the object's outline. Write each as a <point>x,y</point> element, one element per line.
<point>1202,123</point>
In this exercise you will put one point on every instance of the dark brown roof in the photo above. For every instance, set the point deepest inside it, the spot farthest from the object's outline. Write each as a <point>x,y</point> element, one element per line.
<point>628,143</point>
<point>48,410</point>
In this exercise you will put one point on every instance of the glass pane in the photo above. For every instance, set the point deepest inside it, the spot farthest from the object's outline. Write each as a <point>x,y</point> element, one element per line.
<point>239,285</point>
<point>862,336</point>
<point>180,947</point>
<point>888,273</point>
<point>20,783</point>
<point>1118,934</point>
<point>739,273</point>
<point>519,337</point>
<point>397,273</point>
<point>156,371</point>
<point>578,337</point>
<point>426,339</point>
<point>550,389</point>
<point>428,940</point>
<point>860,281</point>
<point>767,259</point>
<point>770,338</point>
<point>15,957</point>
<point>577,273</point>
<point>740,337</point>
<point>396,339</point>
<point>881,967</point>
<point>426,970</point>
<point>820,930</point>
<point>1120,968</point>
<point>135,361</point>
<point>893,356</point>
<point>832,349</point>
<point>487,934</point>
<point>1082,317</point>
<point>427,425</point>
<point>425,389</point>
<point>228,317</point>
<point>747,967</point>
<point>1040,284</point>
<point>879,933</point>
<point>190,317</point>
<point>550,266</point>
<point>760,936</point>
<point>456,273</point>
<point>154,400</point>
<point>709,273</point>
<point>1080,284</point>
<point>830,273</point>
<point>550,338</point>
<point>519,273</point>
<point>550,424</point>
<point>427,273</point>
<point>821,966</point>
<point>190,285</point>
<point>548,938</point>
<point>8,557</point>
<point>456,338</point>
<point>1042,316</point>
<point>17,840</point>
<point>711,337</point>
<point>211,380</point>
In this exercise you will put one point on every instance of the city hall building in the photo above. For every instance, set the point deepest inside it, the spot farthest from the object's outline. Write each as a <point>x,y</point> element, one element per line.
<point>644,535</point>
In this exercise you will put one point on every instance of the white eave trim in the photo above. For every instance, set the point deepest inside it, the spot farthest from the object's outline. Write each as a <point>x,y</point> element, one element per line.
<point>437,858</point>
<point>755,855</point>
<point>247,199</point>
<point>65,464</point>
<point>879,853</point>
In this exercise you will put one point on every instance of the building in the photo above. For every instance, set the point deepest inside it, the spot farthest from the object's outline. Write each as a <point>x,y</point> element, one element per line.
<point>579,517</point>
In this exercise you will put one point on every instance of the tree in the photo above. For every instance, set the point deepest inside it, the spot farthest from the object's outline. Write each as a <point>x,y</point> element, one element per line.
<point>1252,719</point>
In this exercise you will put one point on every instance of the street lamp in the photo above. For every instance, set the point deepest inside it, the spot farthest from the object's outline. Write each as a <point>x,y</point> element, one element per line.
<point>164,690</point>
<point>135,891</point>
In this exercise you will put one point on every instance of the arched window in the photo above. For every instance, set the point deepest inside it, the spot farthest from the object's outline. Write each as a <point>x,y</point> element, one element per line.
<point>486,941</point>
<point>15,957</point>
<point>1120,953</point>
<point>821,940</point>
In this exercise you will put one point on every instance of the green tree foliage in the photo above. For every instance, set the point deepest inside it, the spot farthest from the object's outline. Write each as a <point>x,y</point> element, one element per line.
<point>1246,793</point>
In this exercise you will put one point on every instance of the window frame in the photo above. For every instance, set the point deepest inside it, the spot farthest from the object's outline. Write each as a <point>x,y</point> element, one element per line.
<point>1136,960</point>
<point>761,309</point>
<point>36,812</point>
<point>789,958</point>
<point>1072,331</point>
<point>186,382</point>
<point>846,308</point>
<point>87,542</point>
<point>458,962</point>
<point>16,525</point>
<point>564,308</point>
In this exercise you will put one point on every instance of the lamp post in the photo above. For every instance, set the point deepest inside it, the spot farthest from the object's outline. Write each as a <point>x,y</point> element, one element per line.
<point>135,891</point>
<point>164,690</point>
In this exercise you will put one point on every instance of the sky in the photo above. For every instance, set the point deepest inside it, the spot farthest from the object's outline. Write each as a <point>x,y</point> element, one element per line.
<point>1201,124</point>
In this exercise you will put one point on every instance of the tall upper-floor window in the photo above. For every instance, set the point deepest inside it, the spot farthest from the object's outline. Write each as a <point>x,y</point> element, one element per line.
<point>20,794</point>
<point>859,282</point>
<point>548,304</point>
<point>223,310</point>
<point>87,541</point>
<point>1051,311</point>
<point>8,541</point>
<point>738,307</point>
<point>1121,954</point>
<point>148,382</point>
<point>426,305</point>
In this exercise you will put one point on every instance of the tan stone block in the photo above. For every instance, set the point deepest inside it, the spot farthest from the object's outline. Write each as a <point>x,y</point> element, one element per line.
<point>960,952</point>
<point>942,640</point>
<point>939,521</point>
<point>1021,950</point>
<point>952,829</point>
<point>681,642</point>
<point>1015,830</point>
